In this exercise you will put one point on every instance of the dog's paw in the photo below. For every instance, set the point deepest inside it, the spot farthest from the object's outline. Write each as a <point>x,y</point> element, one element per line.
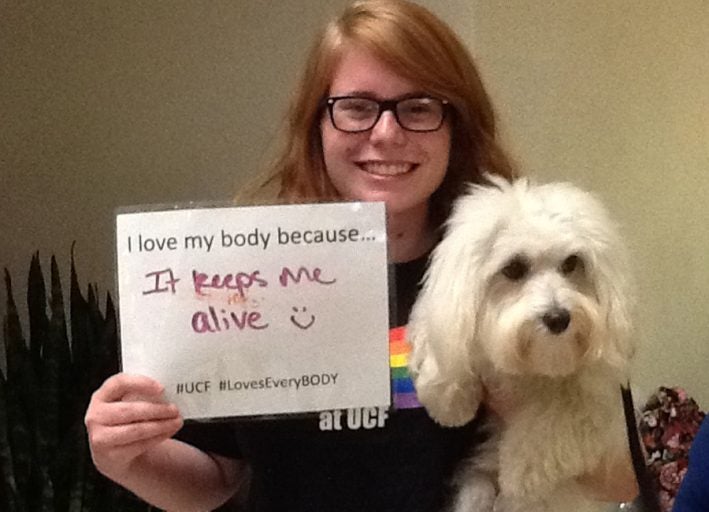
<point>477,495</point>
<point>452,405</point>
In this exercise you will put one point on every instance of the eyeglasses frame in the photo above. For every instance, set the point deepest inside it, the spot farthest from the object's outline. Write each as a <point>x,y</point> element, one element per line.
<point>384,106</point>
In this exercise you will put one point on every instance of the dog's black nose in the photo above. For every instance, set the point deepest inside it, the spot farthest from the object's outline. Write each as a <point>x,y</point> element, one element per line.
<point>557,320</point>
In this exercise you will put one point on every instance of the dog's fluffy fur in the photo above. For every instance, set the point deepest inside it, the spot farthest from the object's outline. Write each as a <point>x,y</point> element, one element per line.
<point>527,298</point>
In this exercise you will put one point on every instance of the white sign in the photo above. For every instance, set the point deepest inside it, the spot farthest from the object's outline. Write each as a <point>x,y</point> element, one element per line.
<point>257,310</point>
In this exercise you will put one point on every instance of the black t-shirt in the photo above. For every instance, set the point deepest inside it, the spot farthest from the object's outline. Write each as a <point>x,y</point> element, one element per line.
<point>348,460</point>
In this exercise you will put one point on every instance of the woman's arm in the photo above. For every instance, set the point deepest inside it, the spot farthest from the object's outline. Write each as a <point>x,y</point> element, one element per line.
<point>178,477</point>
<point>130,431</point>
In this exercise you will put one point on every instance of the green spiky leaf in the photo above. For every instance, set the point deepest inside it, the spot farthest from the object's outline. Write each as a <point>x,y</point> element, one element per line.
<point>37,309</point>
<point>9,498</point>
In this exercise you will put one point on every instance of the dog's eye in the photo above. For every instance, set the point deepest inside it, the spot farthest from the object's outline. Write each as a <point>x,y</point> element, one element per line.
<point>515,269</point>
<point>570,264</point>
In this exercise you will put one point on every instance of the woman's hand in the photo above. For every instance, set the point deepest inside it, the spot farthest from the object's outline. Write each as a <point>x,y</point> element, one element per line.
<point>126,417</point>
<point>130,428</point>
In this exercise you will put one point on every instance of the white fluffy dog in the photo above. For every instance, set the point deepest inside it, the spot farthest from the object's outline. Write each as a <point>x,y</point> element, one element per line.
<point>527,297</point>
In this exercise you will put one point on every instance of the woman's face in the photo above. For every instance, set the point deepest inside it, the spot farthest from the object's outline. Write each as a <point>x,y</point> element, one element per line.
<point>386,163</point>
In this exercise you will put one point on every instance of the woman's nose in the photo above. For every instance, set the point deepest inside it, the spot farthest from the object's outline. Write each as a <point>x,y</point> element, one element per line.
<point>388,129</point>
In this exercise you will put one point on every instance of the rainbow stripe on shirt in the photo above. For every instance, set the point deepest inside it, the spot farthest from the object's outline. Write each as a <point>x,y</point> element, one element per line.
<point>402,387</point>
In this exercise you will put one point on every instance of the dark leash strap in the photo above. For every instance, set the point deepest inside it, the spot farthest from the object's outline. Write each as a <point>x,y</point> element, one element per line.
<point>647,499</point>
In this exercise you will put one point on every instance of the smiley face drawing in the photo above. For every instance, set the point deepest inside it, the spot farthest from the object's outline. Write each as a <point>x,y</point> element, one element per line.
<point>298,318</point>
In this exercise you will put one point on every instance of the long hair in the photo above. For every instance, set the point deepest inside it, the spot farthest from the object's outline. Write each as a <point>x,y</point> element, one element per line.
<point>421,48</point>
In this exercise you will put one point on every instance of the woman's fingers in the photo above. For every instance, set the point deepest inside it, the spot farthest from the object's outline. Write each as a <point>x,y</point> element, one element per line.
<point>131,434</point>
<point>125,399</point>
<point>121,413</point>
<point>122,386</point>
<point>127,409</point>
<point>127,416</point>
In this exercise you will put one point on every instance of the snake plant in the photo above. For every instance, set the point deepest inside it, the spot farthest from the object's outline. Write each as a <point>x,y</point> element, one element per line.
<point>45,465</point>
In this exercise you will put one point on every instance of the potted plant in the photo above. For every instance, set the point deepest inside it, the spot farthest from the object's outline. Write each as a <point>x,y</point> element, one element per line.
<point>45,387</point>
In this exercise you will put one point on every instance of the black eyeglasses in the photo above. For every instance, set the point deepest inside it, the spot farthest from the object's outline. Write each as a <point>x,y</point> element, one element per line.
<point>355,114</point>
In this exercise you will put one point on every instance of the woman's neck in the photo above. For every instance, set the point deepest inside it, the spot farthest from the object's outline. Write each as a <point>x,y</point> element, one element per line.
<point>409,235</point>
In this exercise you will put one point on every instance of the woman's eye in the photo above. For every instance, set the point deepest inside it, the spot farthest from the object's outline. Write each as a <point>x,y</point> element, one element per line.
<point>422,108</point>
<point>419,109</point>
<point>357,107</point>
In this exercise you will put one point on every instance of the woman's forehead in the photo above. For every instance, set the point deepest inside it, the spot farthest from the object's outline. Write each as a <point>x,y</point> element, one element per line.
<point>359,72</point>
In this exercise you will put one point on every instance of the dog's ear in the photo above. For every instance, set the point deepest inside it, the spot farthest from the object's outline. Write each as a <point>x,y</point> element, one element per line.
<point>443,322</point>
<point>615,298</point>
<point>614,289</point>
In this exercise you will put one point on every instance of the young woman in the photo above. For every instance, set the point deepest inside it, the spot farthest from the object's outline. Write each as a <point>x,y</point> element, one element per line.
<point>390,108</point>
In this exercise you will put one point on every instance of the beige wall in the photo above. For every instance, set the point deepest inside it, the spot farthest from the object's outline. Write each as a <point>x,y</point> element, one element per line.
<point>118,103</point>
<point>613,95</point>
<point>141,102</point>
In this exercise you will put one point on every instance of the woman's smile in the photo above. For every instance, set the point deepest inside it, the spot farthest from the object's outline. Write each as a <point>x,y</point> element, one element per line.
<point>386,169</point>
